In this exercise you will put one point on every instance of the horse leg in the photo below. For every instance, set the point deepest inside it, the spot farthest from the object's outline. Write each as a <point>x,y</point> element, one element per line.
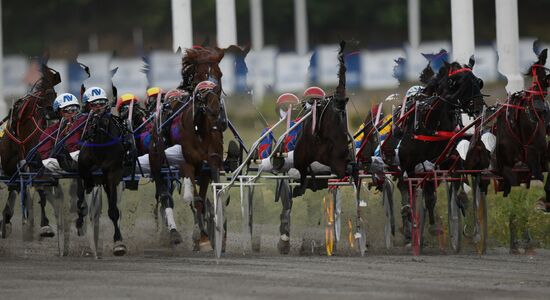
<point>544,202</point>
<point>167,203</point>
<point>7,214</point>
<point>284,229</point>
<point>113,180</point>
<point>82,206</point>
<point>533,161</point>
<point>405,210</point>
<point>45,228</point>
<point>429,194</point>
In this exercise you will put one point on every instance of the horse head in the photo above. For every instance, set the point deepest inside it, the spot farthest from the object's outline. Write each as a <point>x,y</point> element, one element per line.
<point>540,75</point>
<point>200,64</point>
<point>460,87</point>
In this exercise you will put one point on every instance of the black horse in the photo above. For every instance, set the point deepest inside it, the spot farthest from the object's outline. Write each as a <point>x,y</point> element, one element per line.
<point>426,132</point>
<point>521,131</point>
<point>105,149</point>
<point>522,150</point>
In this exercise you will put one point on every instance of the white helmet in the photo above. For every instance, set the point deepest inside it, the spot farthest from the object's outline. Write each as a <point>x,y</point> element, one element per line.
<point>65,100</point>
<point>414,90</point>
<point>93,94</point>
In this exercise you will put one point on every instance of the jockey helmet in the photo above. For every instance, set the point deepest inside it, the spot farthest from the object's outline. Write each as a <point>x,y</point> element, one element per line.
<point>152,94</point>
<point>414,90</point>
<point>287,98</point>
<point>204,85</point>
<point>314,93</point>
<point>64,100</point>
<point>175,94</point>
<point>93,94</point>
<point>126,99</point>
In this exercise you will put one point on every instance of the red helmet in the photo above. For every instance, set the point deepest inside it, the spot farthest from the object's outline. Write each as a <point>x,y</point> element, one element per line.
<point>314,93</point>
<point>126,99</point>
<point>174,94</point>
<point>287,98</point>
<point>204,85</point>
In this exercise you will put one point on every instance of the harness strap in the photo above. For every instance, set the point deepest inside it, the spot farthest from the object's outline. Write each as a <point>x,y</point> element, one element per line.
<point>451,73</point>
<point>438,136</point>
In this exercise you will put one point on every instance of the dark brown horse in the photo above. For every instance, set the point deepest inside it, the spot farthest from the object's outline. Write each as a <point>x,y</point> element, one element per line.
<point>27,118</point>
<point>326,141</point>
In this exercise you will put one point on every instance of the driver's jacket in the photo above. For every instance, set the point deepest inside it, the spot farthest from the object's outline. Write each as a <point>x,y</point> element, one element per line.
<point>71,144</point>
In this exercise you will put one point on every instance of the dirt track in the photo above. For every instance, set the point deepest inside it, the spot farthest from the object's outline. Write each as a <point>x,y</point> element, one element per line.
<point>496,275</point>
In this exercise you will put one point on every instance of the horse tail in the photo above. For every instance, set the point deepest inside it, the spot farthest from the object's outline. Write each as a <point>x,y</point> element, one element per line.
<point>341,88</point>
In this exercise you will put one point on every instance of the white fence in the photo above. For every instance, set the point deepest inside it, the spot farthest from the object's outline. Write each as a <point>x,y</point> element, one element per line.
<point>266,70</point>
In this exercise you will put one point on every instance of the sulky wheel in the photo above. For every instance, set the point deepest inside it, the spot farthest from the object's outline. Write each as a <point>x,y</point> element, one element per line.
<point>480,216</point>
<point>455,217</point>
<point>418,212</point>
<point>387,202</point>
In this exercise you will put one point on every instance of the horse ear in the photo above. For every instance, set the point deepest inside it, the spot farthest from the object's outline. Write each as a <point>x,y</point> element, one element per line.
<point>472,62</point>
<point>221,53</point>
<point>542,57</point>
<point>426,74</point>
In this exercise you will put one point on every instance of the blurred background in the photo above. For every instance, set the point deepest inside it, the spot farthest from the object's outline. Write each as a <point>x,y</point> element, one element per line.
<point>293,41</point>
<point>294,45</point>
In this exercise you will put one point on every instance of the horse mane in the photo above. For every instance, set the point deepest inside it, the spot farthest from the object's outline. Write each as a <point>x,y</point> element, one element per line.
<point>201,55</point>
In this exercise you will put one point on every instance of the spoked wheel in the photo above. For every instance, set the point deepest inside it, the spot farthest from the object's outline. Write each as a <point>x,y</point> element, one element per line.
<point>28,213</point>
<point>455,218</point>
<point>247,207</point>
<point>387,202</point>
<point>480,217</point>
<point>360,226</point>
<point>62,208</point>
<point>219,230</point>
<point>337,199</point>
<point>330,236</point>
<point>418,218</point>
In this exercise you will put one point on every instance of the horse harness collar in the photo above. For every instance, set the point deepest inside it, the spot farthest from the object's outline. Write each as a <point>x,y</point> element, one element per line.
<point>32,101</point>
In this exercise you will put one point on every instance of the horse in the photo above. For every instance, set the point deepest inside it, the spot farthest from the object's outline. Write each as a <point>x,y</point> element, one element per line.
<point>104,149</point>
<point>27,118</point>
<point>425,134</point>
<point>201,135</point>
<point>521,139</point>
<point>324,138</point>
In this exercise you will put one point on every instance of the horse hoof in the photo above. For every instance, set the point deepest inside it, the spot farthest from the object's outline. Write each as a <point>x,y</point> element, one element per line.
<point>205,246</point>
<point>284,245</point>
<point>46,231</point>
<point>5,230</point>
<point>543,206</point>
<point>175,237</point>
<point>119,249</point>
<point>530,252</point>
<point>514,251</point>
